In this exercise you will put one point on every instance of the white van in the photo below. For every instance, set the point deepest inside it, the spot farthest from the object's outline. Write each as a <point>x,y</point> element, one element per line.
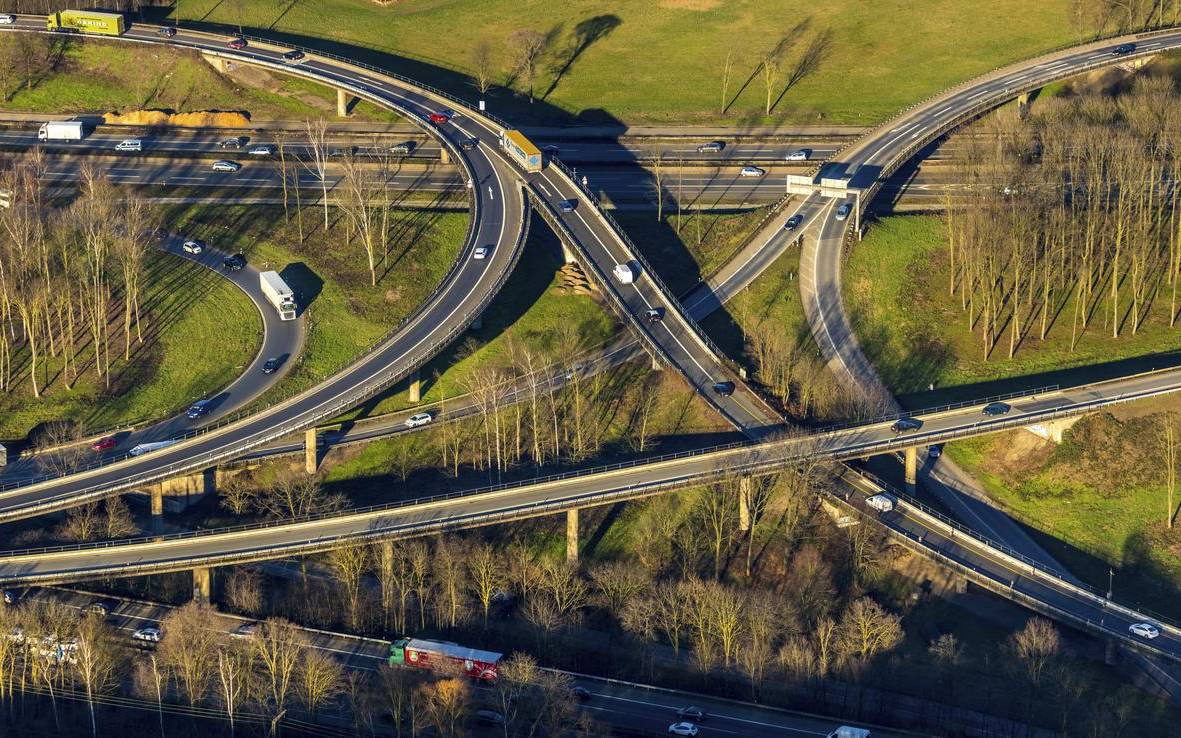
<point>883,502</point>
<point>625,273</point>
<point>130,144</point>
<point>846,732</point>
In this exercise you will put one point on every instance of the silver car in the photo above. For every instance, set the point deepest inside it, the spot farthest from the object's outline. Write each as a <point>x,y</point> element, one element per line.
<point>749,171</point>
<point>225,165</point>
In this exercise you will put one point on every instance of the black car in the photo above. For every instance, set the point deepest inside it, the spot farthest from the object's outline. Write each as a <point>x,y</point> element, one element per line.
<point>270,365</point>
<point>167,32</point>
<point>654,315</point>
<point>793,222</point>
<point>696,714</point>
<point>582,694</point>
<point>235,142</point>
<point>725,389</point>
<point>1123,49</point>
<point>233,263</point>
<point>997,408</point>
<point>567,206</point>
<point>469,144</point>
<point>293,55</point>
<point>905,425</point>
<point>101,607</point>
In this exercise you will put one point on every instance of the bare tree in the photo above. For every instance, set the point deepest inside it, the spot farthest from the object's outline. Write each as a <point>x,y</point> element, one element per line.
<point>363,202</point>
<point>294,493</point>
<point>526,46</point>
<point>1036,645</point>
<point>866,630</point>
<point>717,508</point>
<point>446,702</point>
<point>243,591</point>
<point>188,649</point>
<point>486,573</point>
<point>318,157</point>
<point>1169,443</point>
<point>234,672</point>
<point>98,661</point>
<point>727,70</point>
<point>278,646</point>
<point>321,680</point>
<point>482,65</point>
<point>350,564</point>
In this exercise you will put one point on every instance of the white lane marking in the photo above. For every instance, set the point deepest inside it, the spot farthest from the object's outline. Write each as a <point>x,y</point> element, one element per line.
<point>545,189</point>
<point>490,195</point>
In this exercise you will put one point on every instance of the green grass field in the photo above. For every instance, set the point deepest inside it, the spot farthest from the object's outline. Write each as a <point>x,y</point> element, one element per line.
<point>1097,500</point>
<point>915,333</point>
<point>201,332</point>
<point>97,77</point>
<point>661,60</point>
<point>346,315</point>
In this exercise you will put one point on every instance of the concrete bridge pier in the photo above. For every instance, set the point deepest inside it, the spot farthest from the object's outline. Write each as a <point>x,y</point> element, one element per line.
<point>572,535</point>
<point>444,155</point>
<point>157,494</point>
<point>912,469</point>
<point>745,488</point>
<point>343,99</point>
<point>416,386</point>
<point>1052,430</point>
<point>203,584</point>
<point>310,455</point>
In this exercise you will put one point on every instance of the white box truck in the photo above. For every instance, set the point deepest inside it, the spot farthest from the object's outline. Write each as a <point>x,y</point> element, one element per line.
<point>846,732</point>
<point>883,502</point>
<point>278,294</point>
<point>625,273</point>
<point>61,130</point>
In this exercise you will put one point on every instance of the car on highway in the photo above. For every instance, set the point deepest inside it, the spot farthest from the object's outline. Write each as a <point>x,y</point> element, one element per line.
<point>271,365</point>
<point>481,253</point>
<point>418,419</point>
<point>245,630</point>
<point>1144,630</point>
<point>261,150</point>
<point>342,150</point>
<point>751,171</point>
<point>582,694</point>
<point>469,144</point>
<point>682,728</point>
<point>725,389</point>
<point>224,165</point>
<point>294,56</point>
<point>234,263</point>
<point>994,409</point>
<point>439,118</point>
<point>402,149</point>
<point>233,142</point>
<point>567,206</point>
<point>1123,49</point>
<point>844,210</point>
<point>100,607</point>
<point>799,155</point>
<point>793,222</point>
<point>711,147</point>
<point>906,425</point>
<point>237,42</point>
<point>625,273</point>
<point>696,714</point>
<point>7,19</point>
<point>167,31</point>
<point>934,451</point>
<point>147,635</point>
<point>130,144</point>
<point>11,597</point>
<point>883,502</point>
<point>193,246</point>
<point>655,315</point>
<point>197,409</point>
<point>104,444</point>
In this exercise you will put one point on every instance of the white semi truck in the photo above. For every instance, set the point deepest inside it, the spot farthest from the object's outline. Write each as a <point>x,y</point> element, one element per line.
<point>61,130</point>
<point>279,294</point>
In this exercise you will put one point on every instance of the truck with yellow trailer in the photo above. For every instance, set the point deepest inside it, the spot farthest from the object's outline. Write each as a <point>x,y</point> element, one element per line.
<point>522,151</point>
<point>87,21</point>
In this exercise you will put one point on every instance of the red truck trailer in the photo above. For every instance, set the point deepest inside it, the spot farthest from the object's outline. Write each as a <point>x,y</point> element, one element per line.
<point>441,656</point>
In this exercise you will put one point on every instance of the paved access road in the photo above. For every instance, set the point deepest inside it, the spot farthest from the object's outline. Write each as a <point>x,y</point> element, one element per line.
<point>498,214</point>
<point>612,703</point>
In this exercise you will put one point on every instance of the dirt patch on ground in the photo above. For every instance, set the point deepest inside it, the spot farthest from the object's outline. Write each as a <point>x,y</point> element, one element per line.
<point>196,119</point>
<point>1021,450</point>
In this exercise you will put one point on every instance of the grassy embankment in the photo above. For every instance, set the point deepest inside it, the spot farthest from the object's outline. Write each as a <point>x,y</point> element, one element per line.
<point>896,292</point>
<point>97,76</point>
<point>626,59</point>
<point>200,333</point>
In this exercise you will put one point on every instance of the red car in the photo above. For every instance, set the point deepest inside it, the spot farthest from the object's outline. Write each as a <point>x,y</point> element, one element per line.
<point>104,444</point>
<point>237,43</point>
<point>439,118</point>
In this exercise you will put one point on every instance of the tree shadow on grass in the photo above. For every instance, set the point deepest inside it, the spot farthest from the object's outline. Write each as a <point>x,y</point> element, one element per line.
<point>585,35</point>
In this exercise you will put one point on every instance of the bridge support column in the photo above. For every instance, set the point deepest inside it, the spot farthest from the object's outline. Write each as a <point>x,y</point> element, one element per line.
<point>203,584</point>
<point>310,459</point>
<point>912,469</point>
<point>342,103</point>
<point>745,487</point>
<point>444,155</point>
<point>416,387</point>
<point>1053,430</point>
<point>572,535</point>
<point>567,253</point>
<point>655,363</point>
<point>157,494</point>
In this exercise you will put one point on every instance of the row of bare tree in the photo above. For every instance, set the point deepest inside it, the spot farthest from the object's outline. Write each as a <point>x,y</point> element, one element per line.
<point>70,277</point>
<point>1073,213</point>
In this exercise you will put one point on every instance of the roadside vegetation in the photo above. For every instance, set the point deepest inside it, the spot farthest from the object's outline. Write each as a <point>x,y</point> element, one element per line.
<point>74,75</point>
<point>103,329</point>
<point>1103,498</point>
<point>1022,276</point>
<point>753,61</point>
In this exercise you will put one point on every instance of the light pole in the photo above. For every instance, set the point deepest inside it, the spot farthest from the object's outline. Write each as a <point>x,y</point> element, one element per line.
<point>1110,580</point>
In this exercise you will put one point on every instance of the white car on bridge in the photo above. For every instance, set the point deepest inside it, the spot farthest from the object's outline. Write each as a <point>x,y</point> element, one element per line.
<point>1144,630</point>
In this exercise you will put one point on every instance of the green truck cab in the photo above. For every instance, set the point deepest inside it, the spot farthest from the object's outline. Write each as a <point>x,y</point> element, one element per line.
<point>87,21</point>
